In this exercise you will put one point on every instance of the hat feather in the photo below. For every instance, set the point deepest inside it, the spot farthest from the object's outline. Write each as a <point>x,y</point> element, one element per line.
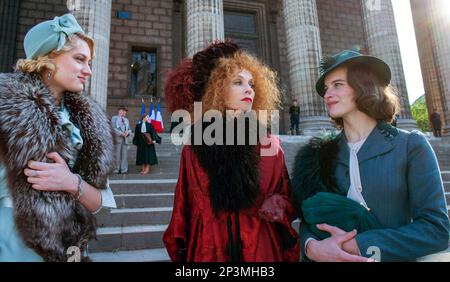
<point>326,63</point>
<point>178,87</point>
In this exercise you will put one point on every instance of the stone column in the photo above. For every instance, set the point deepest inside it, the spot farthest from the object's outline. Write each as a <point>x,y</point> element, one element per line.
<point>382,42</point>
<point>423,23</point>
<point>95,18</point>
<point>204,23</point>
<point>440,26</point>
<point>304,54</point>
<point>9,16</point>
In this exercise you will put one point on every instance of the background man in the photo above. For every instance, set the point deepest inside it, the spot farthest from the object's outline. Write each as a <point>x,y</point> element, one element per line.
<point>122,129</point>
<point>294,112</point>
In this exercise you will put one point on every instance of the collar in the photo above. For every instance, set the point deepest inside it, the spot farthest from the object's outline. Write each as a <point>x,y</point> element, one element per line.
<point>380,141</point>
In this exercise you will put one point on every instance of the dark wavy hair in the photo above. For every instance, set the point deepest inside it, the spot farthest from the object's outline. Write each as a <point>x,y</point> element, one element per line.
<point>373,97</point>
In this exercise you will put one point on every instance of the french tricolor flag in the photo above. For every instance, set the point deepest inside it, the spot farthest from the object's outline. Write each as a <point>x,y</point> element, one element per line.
<point>151,113</point>
<point>157,122</point>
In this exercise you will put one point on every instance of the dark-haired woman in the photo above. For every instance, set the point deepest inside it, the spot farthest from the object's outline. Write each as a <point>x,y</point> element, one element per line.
<point>374,192</point>
<point>145,153</point>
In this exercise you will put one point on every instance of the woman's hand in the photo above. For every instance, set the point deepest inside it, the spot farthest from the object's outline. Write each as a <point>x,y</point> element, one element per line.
<point>52,176</point>
<point>273,208</point>
<point>331,249</point>
<point>350,246</point>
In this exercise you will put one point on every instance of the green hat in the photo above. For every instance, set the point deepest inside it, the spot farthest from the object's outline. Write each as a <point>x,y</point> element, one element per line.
<point>50,35</point>
<point>328,64</point>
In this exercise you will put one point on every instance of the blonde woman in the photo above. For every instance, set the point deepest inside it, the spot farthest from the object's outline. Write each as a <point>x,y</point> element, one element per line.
<point>56,147</point>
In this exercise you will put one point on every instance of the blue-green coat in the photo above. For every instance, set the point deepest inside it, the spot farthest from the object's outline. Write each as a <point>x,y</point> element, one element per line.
<point>403,187</point>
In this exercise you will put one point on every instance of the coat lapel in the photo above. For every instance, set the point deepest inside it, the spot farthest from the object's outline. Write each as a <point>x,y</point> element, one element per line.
<point>343,156</point>
<point>379,141</point>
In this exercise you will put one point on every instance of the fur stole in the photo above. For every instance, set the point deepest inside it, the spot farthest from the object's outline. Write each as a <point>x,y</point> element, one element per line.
<point>314,168</point>
<point>50,222</point>
<point>233,172</point>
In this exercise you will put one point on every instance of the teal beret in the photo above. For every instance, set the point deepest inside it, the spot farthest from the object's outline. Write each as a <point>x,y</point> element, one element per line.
<point>50,35</point>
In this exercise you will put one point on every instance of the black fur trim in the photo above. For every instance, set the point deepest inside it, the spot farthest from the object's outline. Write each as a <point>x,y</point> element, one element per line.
<point>233,172</point>
<point>314,168</point>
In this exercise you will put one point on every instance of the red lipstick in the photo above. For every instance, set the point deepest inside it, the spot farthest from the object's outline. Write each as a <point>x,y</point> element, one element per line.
<point>247,99</point>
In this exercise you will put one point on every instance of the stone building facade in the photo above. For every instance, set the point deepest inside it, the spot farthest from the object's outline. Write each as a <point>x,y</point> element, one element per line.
<point>291,36</point>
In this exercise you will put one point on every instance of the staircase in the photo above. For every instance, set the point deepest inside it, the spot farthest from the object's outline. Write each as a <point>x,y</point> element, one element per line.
<point>441,147</point>
<point>133,231</point>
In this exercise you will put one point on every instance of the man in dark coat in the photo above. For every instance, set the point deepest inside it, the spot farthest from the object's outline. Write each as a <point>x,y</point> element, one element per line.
<point>435,119</point>
<point>294,112</point>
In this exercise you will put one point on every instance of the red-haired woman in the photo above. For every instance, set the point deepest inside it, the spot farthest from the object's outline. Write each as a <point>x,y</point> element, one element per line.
<point>232,203</point>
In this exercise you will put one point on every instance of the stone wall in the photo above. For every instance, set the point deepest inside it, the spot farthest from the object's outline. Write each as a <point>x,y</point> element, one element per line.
<point>341,25</point>
<point>149,26</point>
<point>32,12</point>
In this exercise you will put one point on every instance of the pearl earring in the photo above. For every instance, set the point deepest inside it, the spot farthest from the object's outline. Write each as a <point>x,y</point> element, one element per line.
<point>49,75</point>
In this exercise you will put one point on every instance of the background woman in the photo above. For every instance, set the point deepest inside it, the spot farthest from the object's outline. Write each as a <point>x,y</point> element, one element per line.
<point>386,180</point>
<point>146,153</point>
<point>56,147</point>
<point>231,203</point>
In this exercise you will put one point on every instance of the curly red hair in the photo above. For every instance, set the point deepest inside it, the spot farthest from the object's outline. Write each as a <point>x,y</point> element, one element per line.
<point>267,92</point>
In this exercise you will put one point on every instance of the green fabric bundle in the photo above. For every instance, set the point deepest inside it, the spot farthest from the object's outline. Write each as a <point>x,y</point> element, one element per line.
<point>339,211</point>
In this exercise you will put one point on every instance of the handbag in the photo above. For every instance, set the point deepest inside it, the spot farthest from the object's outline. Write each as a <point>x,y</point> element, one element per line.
<point>147,138</point>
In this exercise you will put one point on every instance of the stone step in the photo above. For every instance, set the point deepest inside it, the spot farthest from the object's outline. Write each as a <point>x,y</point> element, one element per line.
<point>151,176</point>
<point>443,256</point>
<point>110,239</point>
<point>134,216</point>
<point>116,239</point>
<point>175,159</point>
<point>444,164</point>
<point>445,175</point>
<point>143,186</point>
<point>160,168</point>
<point>141,200</point>
<point>145,255</point>
<point>168,154</point>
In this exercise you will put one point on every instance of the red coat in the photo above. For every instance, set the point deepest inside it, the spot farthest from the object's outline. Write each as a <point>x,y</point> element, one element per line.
<point>205,235</point>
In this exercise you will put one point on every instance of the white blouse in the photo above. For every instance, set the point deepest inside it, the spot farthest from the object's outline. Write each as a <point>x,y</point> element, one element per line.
<point>355,190</point>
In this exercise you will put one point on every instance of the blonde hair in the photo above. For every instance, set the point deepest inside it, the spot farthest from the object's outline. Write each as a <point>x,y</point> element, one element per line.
<point>43,63</point>
<point>267,93</point>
